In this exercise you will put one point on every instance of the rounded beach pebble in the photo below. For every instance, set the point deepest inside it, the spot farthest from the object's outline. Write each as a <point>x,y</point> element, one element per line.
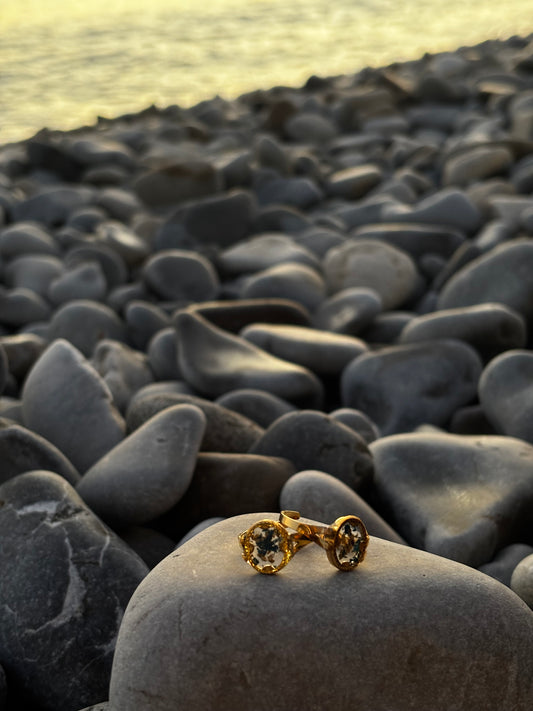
<point>205,631</point>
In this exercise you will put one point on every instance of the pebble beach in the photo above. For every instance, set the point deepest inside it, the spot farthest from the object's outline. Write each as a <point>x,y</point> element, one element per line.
<point>316,299</point>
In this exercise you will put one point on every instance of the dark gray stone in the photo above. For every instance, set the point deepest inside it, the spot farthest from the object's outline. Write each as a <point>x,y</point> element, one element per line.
<point>489,328</point>
<point>177,182</point>
<point>175,275</point>
<point>215,362</point>
<point>150,545</point>
<point>162,353</point>
<point>322,497</point>
<point>505,390</point>
<point>415,653</point>
<point>354,182</point>
<point>65,400</point>
<point>52,205</point>
<point>226,484</point>
<point>502,275</point>
<point>313,440</point>
<point>522,580</point>
<point>226,431</point>
<point>112,264</point>
<point>35,272</point>
<point>257,405</point>
<point>19,307</point>
<point>25,238</point>
<point>221,220</point>
<point>322,352</point>
<point>149,471</point>
<point>21,450</point>
<point>143,321</point>
<point>122,369</point>
<point>302,193</point>
<point>462,497</point>
<point>449,207</point>
<point>417,240</point>
<point>476,163</point>
<point>357,421</point>
<point>349,311</point>
<point>86,280</point>
<point>401,387</point>
<point>80,595</point>
<point>85,323</point>
<point>234,315</point>
<point>296,282</point>
<point>502,566</point>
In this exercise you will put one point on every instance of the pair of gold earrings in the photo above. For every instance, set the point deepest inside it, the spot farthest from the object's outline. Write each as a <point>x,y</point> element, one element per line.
<point>269,545</point>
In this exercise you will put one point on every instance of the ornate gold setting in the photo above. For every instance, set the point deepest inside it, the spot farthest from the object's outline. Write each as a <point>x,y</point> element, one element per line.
<point>267,546</point>
<point>345,541</point>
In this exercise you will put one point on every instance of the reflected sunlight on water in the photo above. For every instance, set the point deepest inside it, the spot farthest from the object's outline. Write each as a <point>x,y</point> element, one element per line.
<point>62,65</point>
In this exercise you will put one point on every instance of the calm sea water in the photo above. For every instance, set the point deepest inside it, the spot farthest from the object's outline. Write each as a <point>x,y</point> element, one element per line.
<point>64,62</point>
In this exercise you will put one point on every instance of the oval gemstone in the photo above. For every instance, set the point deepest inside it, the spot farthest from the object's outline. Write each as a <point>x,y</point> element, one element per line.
<point>267,547</point>
<point>350,543</point>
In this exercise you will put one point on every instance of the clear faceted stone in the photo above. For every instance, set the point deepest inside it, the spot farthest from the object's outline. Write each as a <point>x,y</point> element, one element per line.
<point>267,547</point>
<point>348,546</point>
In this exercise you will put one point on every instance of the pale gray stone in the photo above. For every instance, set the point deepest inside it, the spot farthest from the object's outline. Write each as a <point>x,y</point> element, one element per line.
<point>375,265</point>
<point>443,614</point>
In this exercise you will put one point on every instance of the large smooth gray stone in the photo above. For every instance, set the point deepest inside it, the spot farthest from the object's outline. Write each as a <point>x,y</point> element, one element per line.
<point>65,400</point>
<point>323,497</point>
<point>205,631</point>
<point>149,471</point>
<point>215,362</point>
<point>373,264</point>
<point>490,328</point>
<point>462,497</point>
<point>70,579</point>
<point>505,393</point>
<point>502,275</point>
<point>401,387</point>
<point>313,440</point>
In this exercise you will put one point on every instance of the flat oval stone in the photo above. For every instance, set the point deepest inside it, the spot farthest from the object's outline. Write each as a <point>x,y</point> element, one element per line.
<point>476,163</point>
<point>90,577</point>
<point>215,362</point>
<point>225,431</point>
<point>323,497</point>
<point>462,497</point>
<point>313,440</point>
<point>322,352</point>
<point>25,238</point>
<point>375,265</point>
<point>208,585</point>
<point>448,207</point>
<point>65,400</point>
<point>257,405</point>
<point>84,323</point>
<point>296,282</point>
<point>415,239</point>
<point>125,488</point>
<point>505,390</point>
<point>500,276</point>
<point>489,328</point>
<point>264,251</point>
<point>175,275</point>
<point>388,387</point>
<point>354,182</point>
